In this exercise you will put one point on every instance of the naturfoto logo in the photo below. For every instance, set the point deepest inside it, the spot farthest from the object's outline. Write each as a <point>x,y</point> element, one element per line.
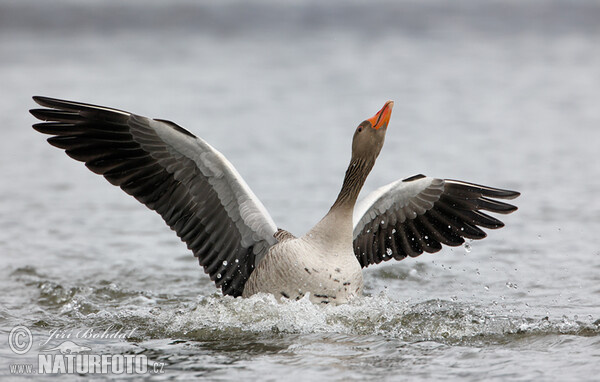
<point>64,352</point>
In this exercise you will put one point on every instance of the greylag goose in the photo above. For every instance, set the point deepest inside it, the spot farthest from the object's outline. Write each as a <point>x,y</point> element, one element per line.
<point>202,197</point>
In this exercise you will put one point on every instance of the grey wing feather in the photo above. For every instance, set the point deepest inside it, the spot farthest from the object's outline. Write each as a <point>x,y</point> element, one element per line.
<point>419,214</point>
<point>191,185</point>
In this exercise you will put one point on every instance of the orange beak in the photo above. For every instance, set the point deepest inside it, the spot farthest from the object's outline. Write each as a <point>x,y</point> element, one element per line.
<point>382,117</point>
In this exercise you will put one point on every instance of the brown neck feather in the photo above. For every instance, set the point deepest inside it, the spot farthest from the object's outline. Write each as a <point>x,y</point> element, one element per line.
<point>356,174</point>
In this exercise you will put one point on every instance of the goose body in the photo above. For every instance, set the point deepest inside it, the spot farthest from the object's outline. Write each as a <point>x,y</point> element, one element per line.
<point>202,197</point>
<point>321,263</point>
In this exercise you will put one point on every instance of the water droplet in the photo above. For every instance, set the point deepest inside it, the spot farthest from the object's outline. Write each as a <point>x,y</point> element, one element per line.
<point>467,247</point>
<point>486,287</point>
<point>426,237</point>
<point>218,275</point>
<point>382,222</point>
<point>389,251</point>
<point>393,230</point>
<point>225,262</point>
<point>237,260</point>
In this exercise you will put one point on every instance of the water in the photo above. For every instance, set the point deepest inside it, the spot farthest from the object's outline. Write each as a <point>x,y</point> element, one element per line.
<point>502,93</point>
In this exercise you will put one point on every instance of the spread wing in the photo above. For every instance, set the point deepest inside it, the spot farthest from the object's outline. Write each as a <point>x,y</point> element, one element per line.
<point>191,185</point>
<point>419,214</point>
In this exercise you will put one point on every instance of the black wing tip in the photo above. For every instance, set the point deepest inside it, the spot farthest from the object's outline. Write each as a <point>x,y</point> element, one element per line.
<point>492,192</point>
<point>44,128</point>
<point>514,194</point>
<point>47,101</point>
<point>52,102</point>
<point>504,194</point>
<point>75,106</point>
<point>42,101</point>
<point>39,113</point>
<point>51,105</point>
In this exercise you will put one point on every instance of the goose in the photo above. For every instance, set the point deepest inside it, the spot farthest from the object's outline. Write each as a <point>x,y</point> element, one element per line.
<point>202,197</point>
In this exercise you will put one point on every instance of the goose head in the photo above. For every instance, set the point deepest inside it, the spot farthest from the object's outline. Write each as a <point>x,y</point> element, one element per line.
<point>370,134</point>
<point>366,145</point>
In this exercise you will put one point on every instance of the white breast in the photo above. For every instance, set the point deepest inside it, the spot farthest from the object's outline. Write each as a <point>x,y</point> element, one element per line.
<point>298,266</point>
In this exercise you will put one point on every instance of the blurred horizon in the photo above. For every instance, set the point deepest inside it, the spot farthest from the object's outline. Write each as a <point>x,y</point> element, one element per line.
<point>231,17</point>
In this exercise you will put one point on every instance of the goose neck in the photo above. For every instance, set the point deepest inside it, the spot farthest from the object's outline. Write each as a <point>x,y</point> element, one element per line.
<point>355,177</point>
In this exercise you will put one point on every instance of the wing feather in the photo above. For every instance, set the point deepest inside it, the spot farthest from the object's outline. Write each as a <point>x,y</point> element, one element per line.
<point>419,214</point>
<point>191,185</point>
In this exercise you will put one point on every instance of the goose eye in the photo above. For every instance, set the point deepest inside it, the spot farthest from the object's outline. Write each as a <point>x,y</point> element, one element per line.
<point>359,129</point>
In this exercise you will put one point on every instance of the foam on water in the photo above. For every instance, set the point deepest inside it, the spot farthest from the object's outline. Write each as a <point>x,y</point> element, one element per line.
<point>159,316</point>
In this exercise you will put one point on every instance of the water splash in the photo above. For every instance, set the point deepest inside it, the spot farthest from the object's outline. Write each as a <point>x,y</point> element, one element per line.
<point>443,321</point>
<point>467,246</point>
<point>200,318</point>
